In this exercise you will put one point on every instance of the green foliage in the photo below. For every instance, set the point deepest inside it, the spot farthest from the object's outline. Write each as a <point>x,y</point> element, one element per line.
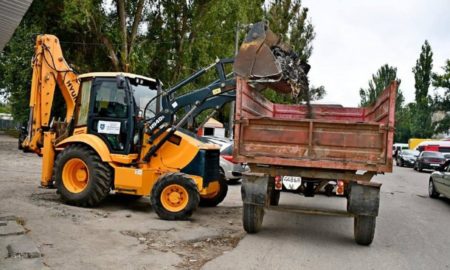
<point>403,119</point>
<point>422,75</point>
<point>15,71</point>
<point>165,39</point>
<point>382,79</point>
<point>421,126</point>
<point>5,108</point>
<point>442,103</point>
<point>289,19</point>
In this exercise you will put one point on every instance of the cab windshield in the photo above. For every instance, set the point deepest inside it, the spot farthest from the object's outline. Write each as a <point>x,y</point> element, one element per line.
<point>143,93</point>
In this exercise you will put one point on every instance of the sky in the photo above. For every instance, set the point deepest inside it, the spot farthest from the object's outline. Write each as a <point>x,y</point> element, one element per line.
<point>355,37</point>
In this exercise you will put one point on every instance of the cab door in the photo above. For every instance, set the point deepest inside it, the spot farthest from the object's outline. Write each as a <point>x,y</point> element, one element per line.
<point>111,113</point>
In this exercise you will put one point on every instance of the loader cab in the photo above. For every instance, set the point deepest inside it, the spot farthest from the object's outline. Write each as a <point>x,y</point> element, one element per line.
<point>111,105</point>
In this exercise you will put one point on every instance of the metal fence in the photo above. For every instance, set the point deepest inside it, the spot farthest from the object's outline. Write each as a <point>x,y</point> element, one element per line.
<point>7,124</point>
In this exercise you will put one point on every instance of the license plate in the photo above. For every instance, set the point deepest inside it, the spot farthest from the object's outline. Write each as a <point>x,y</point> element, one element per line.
<point>292,182</point>
<point>435,165</point>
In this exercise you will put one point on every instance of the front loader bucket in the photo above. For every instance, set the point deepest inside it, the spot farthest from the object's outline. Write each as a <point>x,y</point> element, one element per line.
<point>265,60</point>
<point>255,58</point>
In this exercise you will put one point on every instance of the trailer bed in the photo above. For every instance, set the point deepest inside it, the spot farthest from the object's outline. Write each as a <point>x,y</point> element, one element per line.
<point>336,138</point>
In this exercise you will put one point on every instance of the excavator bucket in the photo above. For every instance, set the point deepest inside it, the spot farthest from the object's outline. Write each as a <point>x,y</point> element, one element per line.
<point>264,59</point>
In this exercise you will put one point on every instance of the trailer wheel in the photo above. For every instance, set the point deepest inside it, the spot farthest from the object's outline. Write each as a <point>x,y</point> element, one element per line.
<point>275,197</point>
<point>81,177</point>
<point>252,217</point>
<point>218,195</point>
<point>364,229</point>
<point>174,196</point>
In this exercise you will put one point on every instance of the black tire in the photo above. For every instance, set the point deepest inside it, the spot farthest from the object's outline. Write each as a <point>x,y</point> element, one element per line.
<point>252,217</point>
<point>275,197</point>
<point>219,197</point>
<point>364,229</point>
<point>419,168</point>
<point>179,179</point>
<point>432,190</point>
<point>99,176</point>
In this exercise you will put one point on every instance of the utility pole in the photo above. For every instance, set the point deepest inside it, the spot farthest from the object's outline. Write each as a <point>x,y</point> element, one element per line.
<point>233,103</point>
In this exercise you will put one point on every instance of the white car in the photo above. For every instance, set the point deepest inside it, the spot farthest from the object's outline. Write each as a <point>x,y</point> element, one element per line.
<point>231,170</point>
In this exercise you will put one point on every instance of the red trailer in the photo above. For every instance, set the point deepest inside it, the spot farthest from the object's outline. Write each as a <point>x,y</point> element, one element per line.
<point>337,143</point>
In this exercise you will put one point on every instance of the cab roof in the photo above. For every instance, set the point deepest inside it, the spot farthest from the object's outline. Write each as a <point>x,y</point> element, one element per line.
<point>114,74</point>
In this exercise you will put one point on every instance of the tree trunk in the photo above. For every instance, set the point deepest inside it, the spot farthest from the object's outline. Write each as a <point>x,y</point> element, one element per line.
<point>123,33</point>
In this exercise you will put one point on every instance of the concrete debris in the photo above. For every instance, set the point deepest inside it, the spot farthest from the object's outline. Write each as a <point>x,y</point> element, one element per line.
<point>23,247</point>
<point>11,228</point>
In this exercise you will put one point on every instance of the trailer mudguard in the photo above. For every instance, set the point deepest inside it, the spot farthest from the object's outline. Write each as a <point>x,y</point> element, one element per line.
<point>255,188</point>
<point>364,198</point>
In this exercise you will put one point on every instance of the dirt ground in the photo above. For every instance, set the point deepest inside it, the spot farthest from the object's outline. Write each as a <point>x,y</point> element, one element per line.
<point>116,235</point>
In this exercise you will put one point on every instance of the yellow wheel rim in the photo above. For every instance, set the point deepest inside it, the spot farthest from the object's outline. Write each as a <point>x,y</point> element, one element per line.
<point>213,190</point>
<point>174,198</point>
<point>75,175</point>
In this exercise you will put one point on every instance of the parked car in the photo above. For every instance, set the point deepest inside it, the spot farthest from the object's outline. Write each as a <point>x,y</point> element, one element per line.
<point>429,160</point>
<point>407,158</point>
<point>440,182</point>
<point>447,156</point>
<point>399,147</point>
<point>231,170</point>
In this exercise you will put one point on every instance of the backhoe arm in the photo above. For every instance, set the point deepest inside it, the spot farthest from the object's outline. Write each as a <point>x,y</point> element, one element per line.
<point>49,71</point>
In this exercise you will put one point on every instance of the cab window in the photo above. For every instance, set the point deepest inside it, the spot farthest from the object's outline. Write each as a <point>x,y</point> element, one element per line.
<point>83,105</point>
<point>110,101</point>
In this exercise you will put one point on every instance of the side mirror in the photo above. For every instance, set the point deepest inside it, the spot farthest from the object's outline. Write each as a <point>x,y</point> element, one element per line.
<point>120,82</point>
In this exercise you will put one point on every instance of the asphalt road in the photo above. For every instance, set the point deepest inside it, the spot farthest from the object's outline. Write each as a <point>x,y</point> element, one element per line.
<point>412,232</point>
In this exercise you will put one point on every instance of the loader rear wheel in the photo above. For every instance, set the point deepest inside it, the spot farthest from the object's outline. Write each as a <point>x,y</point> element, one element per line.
<point>174,196</point>
<point>364,229</point>
<point>253,216</point>
<point>81,177</point>
<point>218,194</point>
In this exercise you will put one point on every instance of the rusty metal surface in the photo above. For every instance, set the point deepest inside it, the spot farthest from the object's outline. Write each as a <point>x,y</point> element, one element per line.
<point>255,58</point>
<point>337,138</point>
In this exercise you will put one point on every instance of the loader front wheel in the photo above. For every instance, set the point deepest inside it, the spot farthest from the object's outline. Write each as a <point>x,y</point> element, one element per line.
<point>174,196</point>
<point>81,177</point>
<point>219,190</point>
<point>252,217</point>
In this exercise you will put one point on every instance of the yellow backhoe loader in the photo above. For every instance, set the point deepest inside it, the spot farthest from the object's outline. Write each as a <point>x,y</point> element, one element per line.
<point>98,147</point>
<point>118,132</point>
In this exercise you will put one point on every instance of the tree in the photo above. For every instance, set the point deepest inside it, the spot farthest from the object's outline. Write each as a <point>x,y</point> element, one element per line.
<point>421,122</point>
<point>118,26</point>
<point>289,19</point>
<point>443,103</point>
<point>382,79</point>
